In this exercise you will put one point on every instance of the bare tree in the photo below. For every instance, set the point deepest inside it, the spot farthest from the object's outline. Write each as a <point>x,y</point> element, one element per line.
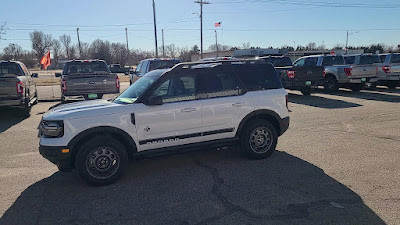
<point>56,46</point>
<point>29,59</point>
<point>171,50</point>
<point>12,52</point>
<point>85,50</point>
<point>72,52</point>
<point>41,42</point>
<point>338,46</point>
<point>311,46</point>
<point>221,48</point>
<point>66,42</point>
<point>100,49</point>
<point>119,53</point>
<point>246,45</point>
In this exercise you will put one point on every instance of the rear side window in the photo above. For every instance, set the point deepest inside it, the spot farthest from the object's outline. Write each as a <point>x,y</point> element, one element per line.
<point>395,58</point>
<point>368,59</point>
<point>279,61</point>
<point>85,67</point>
<point>311,61</point>
<point>349,59</point>
<point>382,58</point>
<point>162,64</point>
<point>333,60</point>
<point>10,68</point>
<point>376,59</point>
<point>258,76</point>
<point>219,84</point>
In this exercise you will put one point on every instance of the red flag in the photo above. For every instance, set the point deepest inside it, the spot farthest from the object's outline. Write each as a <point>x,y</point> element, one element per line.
<point>45,61</point>
<point>217,24</point>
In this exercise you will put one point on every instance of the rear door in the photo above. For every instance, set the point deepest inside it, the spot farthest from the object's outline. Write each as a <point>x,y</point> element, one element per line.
<point>223,103</point>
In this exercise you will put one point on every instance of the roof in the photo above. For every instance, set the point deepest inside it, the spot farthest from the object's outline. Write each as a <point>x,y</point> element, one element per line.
<point>86,60</point>
<point>160,59</point>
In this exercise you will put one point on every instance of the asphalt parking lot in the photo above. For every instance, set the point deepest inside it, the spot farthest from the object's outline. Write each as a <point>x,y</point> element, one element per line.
<point>337,164</point>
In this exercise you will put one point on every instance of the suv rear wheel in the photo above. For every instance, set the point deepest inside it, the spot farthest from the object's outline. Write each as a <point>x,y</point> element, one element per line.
<point>259,139</point>
<point>101,160</point>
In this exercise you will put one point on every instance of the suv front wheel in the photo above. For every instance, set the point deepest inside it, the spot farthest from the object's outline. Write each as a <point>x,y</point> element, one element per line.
<point>259,139</point>
<point>101,160</point>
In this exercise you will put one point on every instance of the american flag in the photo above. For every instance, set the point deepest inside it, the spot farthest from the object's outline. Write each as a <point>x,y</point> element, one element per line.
<point>217,24</point>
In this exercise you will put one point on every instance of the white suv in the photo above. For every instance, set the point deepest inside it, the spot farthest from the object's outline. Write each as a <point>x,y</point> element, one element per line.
<point>211,104</point>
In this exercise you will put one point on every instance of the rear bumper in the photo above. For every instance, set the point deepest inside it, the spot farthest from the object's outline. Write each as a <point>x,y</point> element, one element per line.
<point>297,85</point>
<point>362,80</point>
<point>12,102</point>
<point>54,154</point>
<point>284,125</point>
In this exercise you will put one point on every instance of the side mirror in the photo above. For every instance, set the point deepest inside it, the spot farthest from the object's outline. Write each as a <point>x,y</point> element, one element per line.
<point>58,74</point>
<point>154,100</point>
<point>35,75</point>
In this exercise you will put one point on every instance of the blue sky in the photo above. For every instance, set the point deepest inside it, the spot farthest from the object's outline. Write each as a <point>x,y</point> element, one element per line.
<point>262,23</point>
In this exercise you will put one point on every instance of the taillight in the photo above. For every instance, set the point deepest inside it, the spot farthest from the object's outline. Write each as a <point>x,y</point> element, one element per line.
<point>324,73</point>
<point>387,69</point>
<point>290,74</point>
<point>64,85</point>
<point>348,71</point>
<point>20,87</point>
<point>117,82</point>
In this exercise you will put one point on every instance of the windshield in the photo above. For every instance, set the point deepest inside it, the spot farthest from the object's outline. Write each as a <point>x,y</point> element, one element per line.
<point>10,68</point>
<point>138,88</point>
<point>85,67</point>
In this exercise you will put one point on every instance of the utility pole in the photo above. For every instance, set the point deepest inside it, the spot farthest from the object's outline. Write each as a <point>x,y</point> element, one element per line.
<point>155,27</point>
<point>163,49</point>
<point>79,43</point>
<point>347,40</point>
<point>216,41</point>
<point>201,24</point>
<point>127,46</point>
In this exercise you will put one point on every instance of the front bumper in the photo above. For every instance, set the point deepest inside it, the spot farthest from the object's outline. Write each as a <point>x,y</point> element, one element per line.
<point>284,125</point>
<point>55,155</point>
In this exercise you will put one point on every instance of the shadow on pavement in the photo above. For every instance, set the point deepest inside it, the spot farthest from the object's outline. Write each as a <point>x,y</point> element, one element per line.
<point>9,117</point>
<point>387,90</point>
<point>368,95</point>
<point>207,187</point>
<point>320,102</point>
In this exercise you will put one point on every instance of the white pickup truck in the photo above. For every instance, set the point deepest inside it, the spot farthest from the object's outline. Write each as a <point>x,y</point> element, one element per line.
<point>364,69</point>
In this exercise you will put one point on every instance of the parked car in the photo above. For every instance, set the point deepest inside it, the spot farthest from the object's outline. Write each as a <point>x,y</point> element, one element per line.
<point>148,65</point>
<point>17,87</point>
<point>117,68</point>
<point>389,71</point>
<point>305,74</point>
<point>88,78</point>
<point>192,105</point>
<point>280,62</point>
<point>363,70</point>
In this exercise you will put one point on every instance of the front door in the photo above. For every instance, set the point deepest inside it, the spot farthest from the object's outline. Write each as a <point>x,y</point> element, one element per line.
<point>176,122</point>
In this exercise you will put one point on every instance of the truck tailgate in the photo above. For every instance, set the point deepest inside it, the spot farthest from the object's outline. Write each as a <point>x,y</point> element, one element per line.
<point>363,71</point>
<point>303,74</point>
<point>91,83</point>
<point>8,87</point>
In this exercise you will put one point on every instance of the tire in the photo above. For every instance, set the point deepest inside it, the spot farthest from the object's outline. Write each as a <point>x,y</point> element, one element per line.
<point>356,87</point>
<point>36,100</point>
<point>306,91</point>
<point>392,85</point>
<point>26,110</point>
<point>331,85</point>
<point>101,160</point>
<point>258,139</point>
<point>63,100</point>
<point>372,86</point>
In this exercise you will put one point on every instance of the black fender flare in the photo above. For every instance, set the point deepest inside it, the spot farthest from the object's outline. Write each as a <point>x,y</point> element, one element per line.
<point>117,133</point>
<point>270,115</point>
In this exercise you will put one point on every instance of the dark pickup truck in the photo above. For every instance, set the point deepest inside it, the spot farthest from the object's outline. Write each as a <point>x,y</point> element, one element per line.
<point>303,75</point>
<point>117,68</point>
<point>17,87</point>
<point>88,78</point>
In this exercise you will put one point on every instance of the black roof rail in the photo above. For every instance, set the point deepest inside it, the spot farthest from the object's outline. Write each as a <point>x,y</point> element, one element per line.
<point>223,62</point>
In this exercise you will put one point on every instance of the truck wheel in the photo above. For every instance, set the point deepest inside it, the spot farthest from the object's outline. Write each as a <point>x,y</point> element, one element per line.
<point>99,96</point>
<point>356,87</point>
<point>101,160</point>
<point>306,91</point>
<point>331,85</point>
<point>392,85</point>
<point>36,99</point>
<point>259,139</point>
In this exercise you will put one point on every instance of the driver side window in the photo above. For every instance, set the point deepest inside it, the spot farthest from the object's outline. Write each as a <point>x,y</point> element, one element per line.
<point>299,63</point>
<point>177,89</point>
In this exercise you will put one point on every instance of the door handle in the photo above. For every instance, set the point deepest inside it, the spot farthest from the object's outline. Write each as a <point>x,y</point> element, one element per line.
<point>238,104</point>
<point>309,72</point>
<point>188,110</point>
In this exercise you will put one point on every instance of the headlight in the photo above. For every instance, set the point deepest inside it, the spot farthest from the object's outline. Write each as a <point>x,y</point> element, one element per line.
<point>51,129</point>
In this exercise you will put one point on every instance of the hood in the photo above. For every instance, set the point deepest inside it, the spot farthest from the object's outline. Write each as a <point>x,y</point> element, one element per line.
<point>91,108</point>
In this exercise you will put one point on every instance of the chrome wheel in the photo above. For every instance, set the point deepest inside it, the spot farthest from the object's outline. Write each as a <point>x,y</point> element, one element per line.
<point>102,162</point>
<point>260,140</point>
